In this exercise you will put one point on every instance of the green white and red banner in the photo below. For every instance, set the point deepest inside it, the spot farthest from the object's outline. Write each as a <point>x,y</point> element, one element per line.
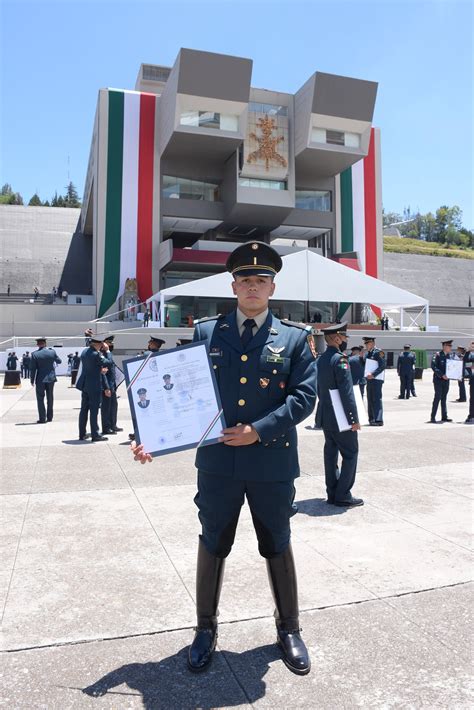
<point>129,195</point>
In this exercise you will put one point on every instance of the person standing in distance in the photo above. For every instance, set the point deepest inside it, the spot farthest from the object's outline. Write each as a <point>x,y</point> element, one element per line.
<point>43,375</point>
<point>266,378</point>
<point>468,362</point>
<point>334,373</point>
<point>109,406</point>
<point>440,381</point>
<point>26,363</point>
<point>92,382</point>
<point>405,370</point>
<point>356,363</point>
<point>374,386</point>
<point>459,355</point>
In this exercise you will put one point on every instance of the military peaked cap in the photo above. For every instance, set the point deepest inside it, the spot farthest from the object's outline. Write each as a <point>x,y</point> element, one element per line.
<point>254,259</point>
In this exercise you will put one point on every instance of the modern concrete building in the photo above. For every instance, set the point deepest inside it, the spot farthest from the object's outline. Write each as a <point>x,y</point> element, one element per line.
<point>195,160</point>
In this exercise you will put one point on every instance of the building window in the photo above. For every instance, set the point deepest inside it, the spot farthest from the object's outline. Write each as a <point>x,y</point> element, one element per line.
<point>210,119</point>
<point>270,109</point>
<point>184,189</point>
<point>323,135</point>
<point>267,184</point>
<point>318,200</point>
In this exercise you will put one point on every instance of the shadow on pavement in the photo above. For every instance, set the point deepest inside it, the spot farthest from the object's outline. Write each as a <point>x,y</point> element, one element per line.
<point>27,424</point>
<point>169,685</point>
<point>318,507</point>
<point>76,442</point>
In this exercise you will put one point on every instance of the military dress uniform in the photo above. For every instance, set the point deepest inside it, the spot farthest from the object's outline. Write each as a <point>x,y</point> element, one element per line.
<point>265,375</point>
<point>468,362</point>
<point>356,364</point>
<point>374,386</point>
<point>43,375</point>
<point>441,386</point>
<point>459,355</point>
<point>91,383</point>
<point>405,369</point>
<point>109,405</point>
<point>334,373</point>
<point>26,364</point>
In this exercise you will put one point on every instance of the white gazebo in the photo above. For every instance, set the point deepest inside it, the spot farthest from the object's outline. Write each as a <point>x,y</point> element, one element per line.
<point>307,276</point>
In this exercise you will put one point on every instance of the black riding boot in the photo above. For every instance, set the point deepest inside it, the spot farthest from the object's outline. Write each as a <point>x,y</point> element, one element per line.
<point>209,574</point>
<point>282,576</point>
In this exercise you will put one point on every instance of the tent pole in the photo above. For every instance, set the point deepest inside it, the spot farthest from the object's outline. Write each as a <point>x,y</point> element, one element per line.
<point>162,310</point>
<point>401,318</point>
<point>427,316</point>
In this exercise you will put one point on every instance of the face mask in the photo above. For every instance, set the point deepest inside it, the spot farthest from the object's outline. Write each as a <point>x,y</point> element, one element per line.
<point>343,345</point>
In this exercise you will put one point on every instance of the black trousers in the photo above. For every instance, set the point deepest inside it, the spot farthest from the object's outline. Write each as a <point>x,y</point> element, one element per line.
<point>339,481</point>
<point>73,377</point>
<point>441,388</point>
<point>412,383</point>
<point>374,400</point>
<point>42,389</point>
<point>108,411</point>
<point>405,385</point>
<point>462,390</point>
<point>471,397</point>
<point>90,406</point>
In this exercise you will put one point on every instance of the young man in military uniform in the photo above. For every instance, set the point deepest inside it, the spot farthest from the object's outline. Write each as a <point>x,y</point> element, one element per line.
<point>356,364</point>
<point>266,378</point>
<point>405,367</point>
<point>440,381</point>
<point>43,375</point>
<point>468,362</point>
<point>374,386</point>
<point>334,373</point>
<point>92,382</point>
<point>109,406</point>
<point>459,355</point>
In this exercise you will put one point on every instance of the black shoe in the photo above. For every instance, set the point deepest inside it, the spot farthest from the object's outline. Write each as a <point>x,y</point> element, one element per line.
<point>117,429</point>
<point>99,438</point>
<point>209,575</point>
<point>131,436</point>
<point>413,394</point>
<point>201,650</point>
<point>432,421</point>
<point>459,400</point>
<point>330,501</point>
<point>469,420</point>
<point>83,438</point>
<point>295,653</point>
<point>351,503</point>
<point>400,397</point>
<point>50,420</point>
<point>446,419</point>
<point>41,421</point>
<point>108,431</point>
<point>282,576</point>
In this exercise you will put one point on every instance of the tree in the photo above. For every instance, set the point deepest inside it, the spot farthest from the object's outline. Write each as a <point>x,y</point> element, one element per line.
<point>71,199</point>
<point>35,201</point>
<point>15,199</point>
<point>6,189</point>
<point>447,217</point>
<point>46,203</point>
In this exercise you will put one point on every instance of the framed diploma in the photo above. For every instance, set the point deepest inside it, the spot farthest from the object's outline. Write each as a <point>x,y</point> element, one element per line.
<point>454,369</point>
<point>370,367</point>
<point>174,400</point>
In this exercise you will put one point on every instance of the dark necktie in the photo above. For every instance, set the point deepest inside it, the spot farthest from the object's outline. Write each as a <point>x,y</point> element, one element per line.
<point>247,335</point>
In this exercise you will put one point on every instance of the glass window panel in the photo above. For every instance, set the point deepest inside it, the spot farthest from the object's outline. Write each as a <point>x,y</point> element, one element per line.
<point>318,135</point>
<point>319,200</point>
<point>229,122</point>
<point>189,118</point>
<point>352,140</point>
<point>209,119</point>
<point>335,137</point>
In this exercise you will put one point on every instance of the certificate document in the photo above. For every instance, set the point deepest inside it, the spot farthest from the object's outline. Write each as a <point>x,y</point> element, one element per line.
<point>454,369</point>
<point>174,399</point>
<point>370,367</point>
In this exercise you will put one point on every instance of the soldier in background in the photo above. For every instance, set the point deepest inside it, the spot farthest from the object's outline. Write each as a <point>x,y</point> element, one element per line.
<point>25,364</point>
<point>374,386</point>
<point>43,375</point>
<point>468,362</point>
<point>357,365</point>
<point>405,370</point>
<point>440,381</point>
<point>109,406</point>
<point>92,382</point>
<point>459,355</point>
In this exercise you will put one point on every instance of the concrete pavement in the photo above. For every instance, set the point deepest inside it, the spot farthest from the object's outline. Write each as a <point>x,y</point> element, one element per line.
<point>98,555</point>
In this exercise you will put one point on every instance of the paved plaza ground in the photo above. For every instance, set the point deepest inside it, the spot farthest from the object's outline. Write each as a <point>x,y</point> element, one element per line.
<point>98,562</point>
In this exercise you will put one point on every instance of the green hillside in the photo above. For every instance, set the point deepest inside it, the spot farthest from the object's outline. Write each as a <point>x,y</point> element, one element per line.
<point>405,245</point>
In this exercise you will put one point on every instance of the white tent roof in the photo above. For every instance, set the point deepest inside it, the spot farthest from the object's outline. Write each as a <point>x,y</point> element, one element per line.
<point>307,276</point>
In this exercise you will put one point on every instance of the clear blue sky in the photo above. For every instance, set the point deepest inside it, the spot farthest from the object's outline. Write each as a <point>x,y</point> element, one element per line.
<point>56,55</point>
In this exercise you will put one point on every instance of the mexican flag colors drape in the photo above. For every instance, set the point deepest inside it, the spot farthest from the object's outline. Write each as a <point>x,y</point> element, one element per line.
<point>129,195</point>
<point>358,189</point>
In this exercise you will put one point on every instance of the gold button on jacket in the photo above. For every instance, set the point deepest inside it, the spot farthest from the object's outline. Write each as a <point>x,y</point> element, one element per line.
<point>241,402</point>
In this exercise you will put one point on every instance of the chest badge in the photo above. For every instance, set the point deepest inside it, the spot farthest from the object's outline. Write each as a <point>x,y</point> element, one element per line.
<point>224,325</point>
<point>282,385</point>
<point>264,382</point>
<point>272,331</point>
<point>275,350</point>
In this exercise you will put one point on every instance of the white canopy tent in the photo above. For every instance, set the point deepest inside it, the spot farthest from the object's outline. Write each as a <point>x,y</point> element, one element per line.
<point>307,276</point>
